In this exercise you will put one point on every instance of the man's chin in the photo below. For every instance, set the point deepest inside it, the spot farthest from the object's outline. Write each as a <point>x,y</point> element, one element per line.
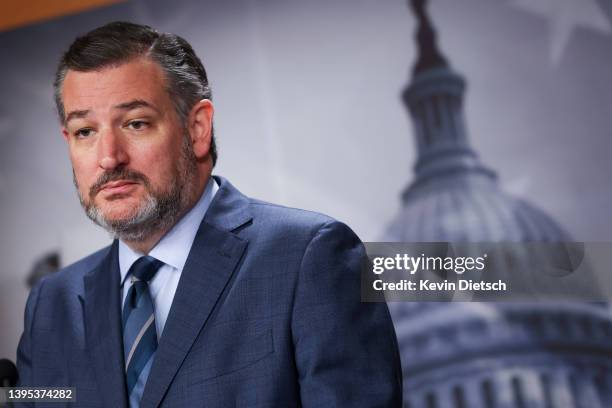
<point>113,215</point>
<point>118,217</point>
<point>125,228</point>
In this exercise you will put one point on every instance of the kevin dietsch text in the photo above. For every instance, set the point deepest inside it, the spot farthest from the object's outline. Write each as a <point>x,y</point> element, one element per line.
<point>424,264</point>
<point>426,285</point>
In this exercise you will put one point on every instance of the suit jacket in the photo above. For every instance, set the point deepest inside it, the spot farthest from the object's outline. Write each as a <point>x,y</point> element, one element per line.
<point>267,313</point>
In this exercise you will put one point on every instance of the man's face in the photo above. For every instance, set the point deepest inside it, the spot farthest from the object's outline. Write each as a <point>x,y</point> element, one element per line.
<point>131,156</point>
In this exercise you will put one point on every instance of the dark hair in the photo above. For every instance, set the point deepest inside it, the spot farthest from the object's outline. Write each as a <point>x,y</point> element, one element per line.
<point>119,42</point>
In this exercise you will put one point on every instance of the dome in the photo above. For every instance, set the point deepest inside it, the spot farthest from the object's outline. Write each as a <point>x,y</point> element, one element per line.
<point>495,353</point>
<point>469,207</point>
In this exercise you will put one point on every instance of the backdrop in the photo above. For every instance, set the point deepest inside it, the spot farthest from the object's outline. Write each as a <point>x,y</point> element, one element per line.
<point>308,112</point>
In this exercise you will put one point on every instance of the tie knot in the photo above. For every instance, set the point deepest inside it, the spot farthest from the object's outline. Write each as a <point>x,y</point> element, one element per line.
<point>144,268</point>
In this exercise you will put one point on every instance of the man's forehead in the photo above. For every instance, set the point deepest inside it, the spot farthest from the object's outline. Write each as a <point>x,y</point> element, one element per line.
<point>139,79</point>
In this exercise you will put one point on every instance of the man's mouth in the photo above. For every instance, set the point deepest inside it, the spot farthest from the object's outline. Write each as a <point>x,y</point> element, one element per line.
<point>117,187</point>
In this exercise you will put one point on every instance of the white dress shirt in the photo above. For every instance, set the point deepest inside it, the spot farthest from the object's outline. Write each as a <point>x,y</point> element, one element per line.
<point>172,250</point>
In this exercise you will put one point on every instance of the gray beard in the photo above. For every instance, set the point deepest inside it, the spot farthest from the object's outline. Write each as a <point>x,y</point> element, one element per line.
<point>159,211</point>
<point>155,214</point>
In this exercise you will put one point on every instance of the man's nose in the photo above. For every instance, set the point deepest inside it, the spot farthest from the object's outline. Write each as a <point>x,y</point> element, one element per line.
<point>112,151</point>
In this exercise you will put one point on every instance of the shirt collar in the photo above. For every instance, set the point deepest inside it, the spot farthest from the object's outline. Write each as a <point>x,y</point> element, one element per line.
<point>174,247</point>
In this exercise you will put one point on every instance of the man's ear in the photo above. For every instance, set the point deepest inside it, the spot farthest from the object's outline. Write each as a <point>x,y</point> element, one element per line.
<point>65,134</point>
<point>200,127</point>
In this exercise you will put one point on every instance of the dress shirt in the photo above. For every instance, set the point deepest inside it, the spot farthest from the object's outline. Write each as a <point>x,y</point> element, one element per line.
<point>172,250</point>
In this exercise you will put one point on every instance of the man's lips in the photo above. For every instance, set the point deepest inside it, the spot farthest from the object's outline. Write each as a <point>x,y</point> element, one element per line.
<point>117,187</point>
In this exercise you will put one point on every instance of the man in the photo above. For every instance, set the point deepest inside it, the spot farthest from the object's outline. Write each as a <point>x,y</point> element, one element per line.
<point>206,297</point>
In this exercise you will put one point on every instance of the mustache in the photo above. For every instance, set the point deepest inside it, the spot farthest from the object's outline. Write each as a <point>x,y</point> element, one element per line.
<point>115,175</point>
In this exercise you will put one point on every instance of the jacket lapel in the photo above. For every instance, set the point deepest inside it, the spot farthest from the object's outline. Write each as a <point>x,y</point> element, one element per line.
<point>214,255</point>
<point>102,305</point>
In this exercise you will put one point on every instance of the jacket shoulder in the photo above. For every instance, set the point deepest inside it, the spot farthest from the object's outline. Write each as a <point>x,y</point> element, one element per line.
<point>275,221</point>
<point>292,217</point>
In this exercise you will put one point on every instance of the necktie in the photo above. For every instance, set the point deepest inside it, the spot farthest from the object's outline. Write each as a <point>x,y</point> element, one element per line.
<point>139,334</point>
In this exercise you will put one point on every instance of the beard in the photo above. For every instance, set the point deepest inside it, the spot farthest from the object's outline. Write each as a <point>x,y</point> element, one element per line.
<point>158,210</point>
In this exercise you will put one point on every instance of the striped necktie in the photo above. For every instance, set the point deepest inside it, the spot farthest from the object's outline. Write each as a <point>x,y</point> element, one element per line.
<point>139,334</point>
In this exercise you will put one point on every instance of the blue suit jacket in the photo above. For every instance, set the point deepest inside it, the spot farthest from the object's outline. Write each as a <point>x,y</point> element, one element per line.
<point>267,314</point>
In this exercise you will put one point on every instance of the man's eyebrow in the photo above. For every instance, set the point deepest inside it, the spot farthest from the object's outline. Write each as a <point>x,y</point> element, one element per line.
<point>136,103</point>
<point>76,114</point>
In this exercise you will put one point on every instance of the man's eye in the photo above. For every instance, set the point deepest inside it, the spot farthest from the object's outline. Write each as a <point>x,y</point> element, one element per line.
<point>137,124</point>
<point>83,133</point>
